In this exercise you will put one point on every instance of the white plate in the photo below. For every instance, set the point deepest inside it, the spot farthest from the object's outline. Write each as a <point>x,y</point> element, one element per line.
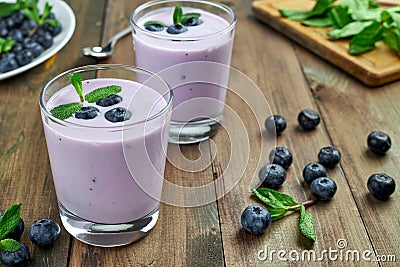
<point>66,17</point>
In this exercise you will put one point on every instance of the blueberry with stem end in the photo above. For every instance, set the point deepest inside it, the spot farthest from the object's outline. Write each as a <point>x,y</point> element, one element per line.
<point>275,124</point>
<point>381,185</point>
<point>323,188</point>
<point>44,232</point>
<point>313,171</point>
<point>308,119</point>
<point>282,156</point>
<point>255,219</point>
<point>272,175</point>
<point>16,258</point>
<point>329,156</point>
<point>191,22</point>
<point>379,142</point>
<point>118,114</point>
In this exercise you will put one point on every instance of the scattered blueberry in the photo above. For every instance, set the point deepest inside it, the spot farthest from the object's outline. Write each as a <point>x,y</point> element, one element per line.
<point>381,185</point>
<point>18,258</point>
<point>329,156</point>
<point>275,124</point>
<point>308,119</point>
<point>44,232</point>
<point>24,57</point>
<point>272,175</point>
<point>379,142</point>
<point>109,101</point>
<point>7,65</point>
<point>255,219</point>
<point>118,114</point>
<point>323,188</point>
<point>313,171</point>
<point>176,29</point>
<point>155,27</point>
<point>193,22</point>
<point>282,156</point>
<point>87,113</point>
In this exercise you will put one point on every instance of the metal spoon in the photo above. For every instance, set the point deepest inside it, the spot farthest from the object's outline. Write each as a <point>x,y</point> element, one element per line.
<point>108,49</point>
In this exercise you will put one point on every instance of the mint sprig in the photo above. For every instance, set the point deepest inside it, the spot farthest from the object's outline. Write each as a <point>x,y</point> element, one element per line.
<point>6,44</point>
<point>76,81</point>
<point>8,222</point>
<point>65,111</point>
<point>279,205</point>
<point>177,16</point>
<point>102,92</point>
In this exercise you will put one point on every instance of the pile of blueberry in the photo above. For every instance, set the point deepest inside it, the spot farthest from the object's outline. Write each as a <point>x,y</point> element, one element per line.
<point>256,219</point>
<point>43,233</point>
<point>31,39</point>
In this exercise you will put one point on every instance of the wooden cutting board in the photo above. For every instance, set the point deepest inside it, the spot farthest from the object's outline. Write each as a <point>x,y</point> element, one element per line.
<point>373,68</point>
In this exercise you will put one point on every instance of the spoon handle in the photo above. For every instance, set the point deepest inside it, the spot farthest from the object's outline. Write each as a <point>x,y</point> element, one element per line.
<point>118,36</point>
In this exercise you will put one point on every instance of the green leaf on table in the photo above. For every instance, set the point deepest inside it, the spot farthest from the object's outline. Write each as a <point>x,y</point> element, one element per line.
<point>7,9</point>
<point>339,17</point>
<point>177,16</point>
<point>391,37</point>
<point>65,111</point>
<point>102,92</point>
<point>322,22</point>
<point>283,199</point>
<point>349,30</point>
<point>277,214</point>
<point>366,39</point>
<point>9,220</point>
<point>9,245</point>
<point>306,224</point>
<point>320,8</point>
<point>76,81</point>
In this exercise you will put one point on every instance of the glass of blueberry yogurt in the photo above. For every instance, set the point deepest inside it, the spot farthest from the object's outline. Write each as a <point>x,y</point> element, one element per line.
<point>188,43</point>
<point>107,137</point>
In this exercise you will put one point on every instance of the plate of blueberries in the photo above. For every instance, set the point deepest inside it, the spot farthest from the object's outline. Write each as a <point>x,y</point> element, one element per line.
<point>34,42</point>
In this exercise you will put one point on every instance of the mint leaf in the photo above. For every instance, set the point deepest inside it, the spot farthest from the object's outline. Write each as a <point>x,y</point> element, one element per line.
<point>277,214</point>
<point>349,30</point>
<point>153,22</point>
<point>187,16</point>
<point>391,37</point>
<point>318,22</point>
<point>276,198</point>
<point>65,111</point>
<point>9,245</point>
<point>7,9</point>
<point>366,39</point>
<point>306,224</point>
<point>177,16</point>
<point>76,80</point>
<point>319,9</point>
<point>102,92</point>
<point>9,220</point>
<point>339,17</point>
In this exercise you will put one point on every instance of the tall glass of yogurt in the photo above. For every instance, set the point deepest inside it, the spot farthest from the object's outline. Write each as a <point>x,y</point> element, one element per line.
<point>193,55</point>
<point>108,173</point>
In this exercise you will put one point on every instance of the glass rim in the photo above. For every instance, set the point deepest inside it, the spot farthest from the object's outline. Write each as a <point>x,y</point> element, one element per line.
<point>104,67</point>
<point>222,6</point>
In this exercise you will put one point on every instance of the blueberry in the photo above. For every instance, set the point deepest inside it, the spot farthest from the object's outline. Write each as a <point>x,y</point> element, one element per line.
<point>193,22</point>
<point>18,258</point>
<point>118,114</point>
<point>54,31</point>
<point>176,29</point>
<point>379,142</point>
<point>46,40</point>
<point>109,101</point>
<point>35,48</point>
<point>8,65</point>
<point>313,171</point>
<point>18,230</point>
<point>24,57</point>
<point>272,175</point>
<point>275,124</point>
<point>44,232</point>
<point>308,119</point>
<point>255,219</point>
<point>329,156</point>
<point>323,188</point>
<point>87,113</point>
<point>16,35</point>
<point>381,185</point>
<point>282,156</point>
<point>154,27</point>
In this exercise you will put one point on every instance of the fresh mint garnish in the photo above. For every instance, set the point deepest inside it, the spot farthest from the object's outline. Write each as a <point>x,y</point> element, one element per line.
<point>102,92</point>
<point>362,21</point>
<point>306,224</point>
<point>8,222</point>
<point>6,44</point>
<point>154,22</point>
<point>186,17</point>
<point>279,204</point>
<point>65,111</point>
<point>177,16</point>
<point>76,81</point>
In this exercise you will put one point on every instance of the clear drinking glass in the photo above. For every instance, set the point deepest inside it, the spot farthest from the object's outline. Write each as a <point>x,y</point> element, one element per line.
<point>108,176</point>
<point>199,88</point>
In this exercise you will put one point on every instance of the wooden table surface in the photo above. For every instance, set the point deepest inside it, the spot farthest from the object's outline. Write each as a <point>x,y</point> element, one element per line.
<point>291,78</point>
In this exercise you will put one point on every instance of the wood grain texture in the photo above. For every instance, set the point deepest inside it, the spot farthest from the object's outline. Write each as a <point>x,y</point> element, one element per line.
<point>374,68</point>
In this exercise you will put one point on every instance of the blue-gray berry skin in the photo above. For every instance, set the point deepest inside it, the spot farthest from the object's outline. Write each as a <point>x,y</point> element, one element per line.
<point>193,22</point>
<point>272,175</point>
<point>18,258</point>
<point>281,156</point>
<point>44,232</point>
<point>155,27</point>
<point>87,113</point>
<point>313,171</point>
<point>329,156</point>
<point>255,219</point>
<point>323,188</point>
<point>379,142</point>
<point>275,124</point>
<point>109,101</point>
<point>308,119</point>
<point>176,29</point>
<point>381,185</point>
<point>118,114</point>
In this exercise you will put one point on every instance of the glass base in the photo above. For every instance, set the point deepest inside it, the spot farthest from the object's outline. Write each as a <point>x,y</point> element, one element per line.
<point>107,235</point>
<point>193,132</point>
